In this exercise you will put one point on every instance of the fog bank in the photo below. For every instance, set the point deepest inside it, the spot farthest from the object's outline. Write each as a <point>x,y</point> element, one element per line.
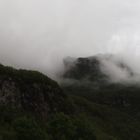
<point>38,34</point>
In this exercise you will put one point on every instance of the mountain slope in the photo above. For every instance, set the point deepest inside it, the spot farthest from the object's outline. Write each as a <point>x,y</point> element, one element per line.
<point>32,106</point>
<point>111,105</point>
<point>85,77</point>
<point>30,91</point>
<point>86,106</point>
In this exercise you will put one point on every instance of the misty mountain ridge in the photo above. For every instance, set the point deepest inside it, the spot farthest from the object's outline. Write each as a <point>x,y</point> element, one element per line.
<point>103,79</point>
<point>35,107</point>
<point>106,80</point>
<point>100,68</point>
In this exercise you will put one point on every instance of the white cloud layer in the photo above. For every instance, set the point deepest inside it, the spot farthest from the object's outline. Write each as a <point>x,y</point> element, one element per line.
<point>37,34</point>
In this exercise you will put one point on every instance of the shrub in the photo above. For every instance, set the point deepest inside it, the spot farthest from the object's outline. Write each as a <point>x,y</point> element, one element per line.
<point>28,129</point>
<point>63,127</point>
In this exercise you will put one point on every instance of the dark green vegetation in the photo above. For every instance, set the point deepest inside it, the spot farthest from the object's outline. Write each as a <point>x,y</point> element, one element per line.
<point>33,107</point>
<point>59,126</point>
<point>86,107</point>
<point>112,108</point>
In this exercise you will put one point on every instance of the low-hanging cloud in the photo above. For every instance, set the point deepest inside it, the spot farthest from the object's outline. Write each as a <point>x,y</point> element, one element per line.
<point>37,34</point>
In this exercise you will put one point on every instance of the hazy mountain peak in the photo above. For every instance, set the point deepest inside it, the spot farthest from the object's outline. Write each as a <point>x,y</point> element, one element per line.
<point>102,67</point>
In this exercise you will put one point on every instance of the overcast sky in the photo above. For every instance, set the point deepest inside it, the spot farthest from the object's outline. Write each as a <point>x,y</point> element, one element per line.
<point>37,34</point>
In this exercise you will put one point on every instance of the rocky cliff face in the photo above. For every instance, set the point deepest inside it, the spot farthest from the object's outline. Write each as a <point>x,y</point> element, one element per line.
<point>30,91</point>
